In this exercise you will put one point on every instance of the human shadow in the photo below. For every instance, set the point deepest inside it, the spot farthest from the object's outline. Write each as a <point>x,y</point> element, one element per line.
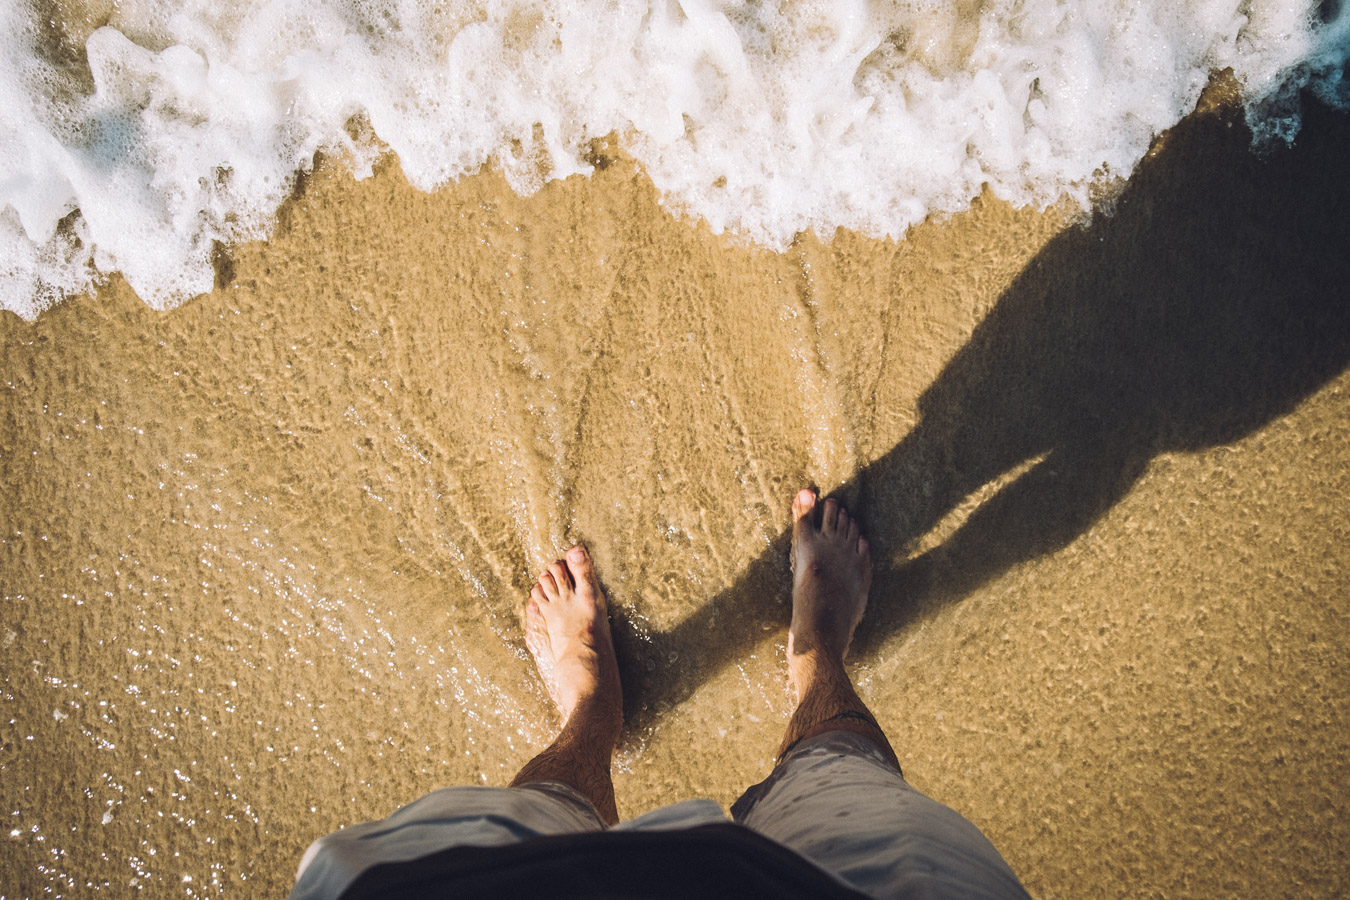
<point>1212,301</point>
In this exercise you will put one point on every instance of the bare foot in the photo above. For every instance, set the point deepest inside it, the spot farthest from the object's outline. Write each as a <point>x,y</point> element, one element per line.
<point>831,572</point>
<point>567,633</point>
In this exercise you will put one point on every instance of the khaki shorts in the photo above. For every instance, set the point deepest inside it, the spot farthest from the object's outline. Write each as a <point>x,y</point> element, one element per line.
<point>834,800</point>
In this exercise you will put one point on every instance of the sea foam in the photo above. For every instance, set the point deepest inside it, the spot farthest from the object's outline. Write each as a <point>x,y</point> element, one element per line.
<point>139,137</point>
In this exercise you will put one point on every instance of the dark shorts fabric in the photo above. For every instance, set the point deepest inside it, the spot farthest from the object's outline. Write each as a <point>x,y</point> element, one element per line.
<point>834,801</point>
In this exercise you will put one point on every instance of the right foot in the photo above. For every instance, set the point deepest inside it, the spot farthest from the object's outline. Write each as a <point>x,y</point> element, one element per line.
<point>567,633</point>
<point>831,572</point>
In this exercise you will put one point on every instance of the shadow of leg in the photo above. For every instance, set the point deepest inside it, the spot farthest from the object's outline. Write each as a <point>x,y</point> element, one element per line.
<point>1041,512</point>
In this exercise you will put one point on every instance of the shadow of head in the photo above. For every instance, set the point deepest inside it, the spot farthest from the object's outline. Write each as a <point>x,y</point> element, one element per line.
<point>1210,302</point>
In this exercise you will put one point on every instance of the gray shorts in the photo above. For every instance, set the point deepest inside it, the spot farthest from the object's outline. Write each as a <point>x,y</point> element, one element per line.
<point>833,799</point>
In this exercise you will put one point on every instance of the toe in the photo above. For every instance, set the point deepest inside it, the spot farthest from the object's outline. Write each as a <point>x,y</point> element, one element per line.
<point>852,531</point>
<point>803,503</point>
<point>863,550</point>
<point>537,597</point>
<point>548,584</point>
<point>560,575</point>
<point>579,564</point>
<point>830,520</point>
<point>535,628</point>
<point>803,518</point>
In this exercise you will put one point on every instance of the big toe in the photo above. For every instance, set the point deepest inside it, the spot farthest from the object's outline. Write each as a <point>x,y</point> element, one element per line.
<point>803,505</point>
<point>579,564</point>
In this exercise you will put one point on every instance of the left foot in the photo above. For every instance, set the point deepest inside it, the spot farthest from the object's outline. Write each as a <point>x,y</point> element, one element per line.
<point>567,633</point>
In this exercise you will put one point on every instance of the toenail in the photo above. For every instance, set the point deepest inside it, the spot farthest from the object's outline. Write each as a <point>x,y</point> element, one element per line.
<point>576,554</point>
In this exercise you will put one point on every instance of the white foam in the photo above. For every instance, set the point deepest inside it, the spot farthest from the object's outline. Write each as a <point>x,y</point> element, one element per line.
<point>764,119</point>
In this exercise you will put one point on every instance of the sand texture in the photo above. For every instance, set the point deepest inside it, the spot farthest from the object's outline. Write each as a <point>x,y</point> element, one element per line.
<point>263,557</point>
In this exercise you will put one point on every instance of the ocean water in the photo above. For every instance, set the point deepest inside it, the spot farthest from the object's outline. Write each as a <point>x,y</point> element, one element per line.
<point>143,136</point>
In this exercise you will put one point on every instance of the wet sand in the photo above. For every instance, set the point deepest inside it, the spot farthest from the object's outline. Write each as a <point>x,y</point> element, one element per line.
<point>264,555</point>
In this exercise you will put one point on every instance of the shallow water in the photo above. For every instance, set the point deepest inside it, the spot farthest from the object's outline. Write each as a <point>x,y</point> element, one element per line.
<point>264,554</point>
<point>139,135</point>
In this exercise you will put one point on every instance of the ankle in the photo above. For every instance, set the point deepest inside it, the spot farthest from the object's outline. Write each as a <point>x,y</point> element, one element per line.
<point>598,715</point>
<point>812,668</point>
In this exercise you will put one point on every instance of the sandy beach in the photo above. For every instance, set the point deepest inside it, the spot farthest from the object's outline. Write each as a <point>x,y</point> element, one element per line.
<point>264,555</point>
